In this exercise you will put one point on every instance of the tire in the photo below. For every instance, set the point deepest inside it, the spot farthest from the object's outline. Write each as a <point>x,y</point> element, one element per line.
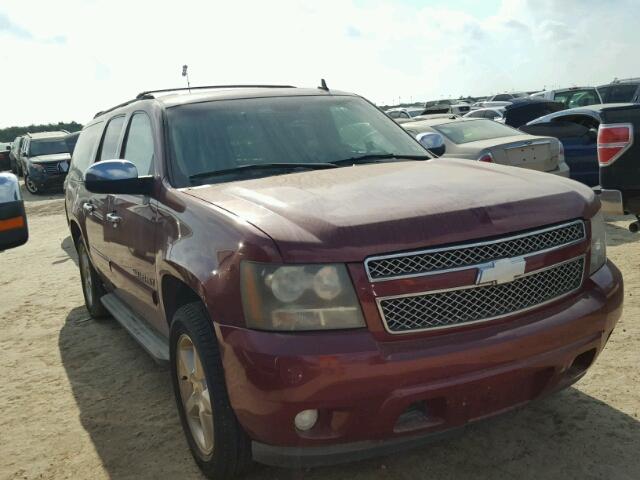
<point>92,288</point>
<point>228,453</point>
<point>30,186</point>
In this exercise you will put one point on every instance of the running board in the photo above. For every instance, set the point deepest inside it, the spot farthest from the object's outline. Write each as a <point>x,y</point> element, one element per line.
<point>154,343</point>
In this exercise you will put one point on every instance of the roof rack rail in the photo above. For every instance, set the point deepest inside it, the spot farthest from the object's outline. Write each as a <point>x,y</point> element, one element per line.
<point>149,93</point>
<point>625,80</point>
<point>124,104</point>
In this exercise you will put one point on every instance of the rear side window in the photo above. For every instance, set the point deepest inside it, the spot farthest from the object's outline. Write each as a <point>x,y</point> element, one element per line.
<point>622,93</point>
<point>108,151</point>
<point>82,154</point>
<point>577,98</point>
<point>618,93</point>
<point>139,144</point>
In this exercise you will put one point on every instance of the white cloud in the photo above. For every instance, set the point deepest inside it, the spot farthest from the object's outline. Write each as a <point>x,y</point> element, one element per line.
<point>76,60</point>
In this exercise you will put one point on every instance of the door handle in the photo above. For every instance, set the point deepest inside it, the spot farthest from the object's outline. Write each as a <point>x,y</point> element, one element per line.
<point>88,208</point>
<point>113,219</point>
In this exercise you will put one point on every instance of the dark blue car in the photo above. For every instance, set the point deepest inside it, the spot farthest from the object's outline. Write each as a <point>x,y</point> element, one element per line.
<point>577,129</point>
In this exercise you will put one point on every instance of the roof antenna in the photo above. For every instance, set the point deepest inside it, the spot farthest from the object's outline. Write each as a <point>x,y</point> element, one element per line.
<point>186,74</point>
<point>323,85</point>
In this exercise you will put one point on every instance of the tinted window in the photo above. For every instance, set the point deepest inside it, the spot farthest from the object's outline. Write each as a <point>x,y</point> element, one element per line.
<point>139,144</point>
<point>47,147</point>
<point>605,93</point>
<point>503,97</point>
<point>622,93</point>
<point>395,114</point>
<point>108,151</point>
<point>474,130</point>
<point>212,136</point>
<point>82,154</point>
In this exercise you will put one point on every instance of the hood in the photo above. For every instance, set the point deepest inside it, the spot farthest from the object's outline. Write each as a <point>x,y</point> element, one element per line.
<point>346,214</point>
<point>56,157</point>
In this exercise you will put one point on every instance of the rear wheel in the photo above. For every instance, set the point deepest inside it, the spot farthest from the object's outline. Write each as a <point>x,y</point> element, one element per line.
<point>30,185</point>
<point>218,443</point>
<point>92,287</point>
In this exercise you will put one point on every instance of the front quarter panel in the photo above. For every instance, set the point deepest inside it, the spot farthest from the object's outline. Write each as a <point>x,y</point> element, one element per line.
<point>203,245</point>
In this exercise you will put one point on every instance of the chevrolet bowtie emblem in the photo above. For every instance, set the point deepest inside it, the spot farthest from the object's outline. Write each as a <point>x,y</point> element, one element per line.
<point>501,271</point>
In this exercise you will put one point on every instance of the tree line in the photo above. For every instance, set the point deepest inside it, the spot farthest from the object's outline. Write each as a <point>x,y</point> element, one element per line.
<point>10,133</point>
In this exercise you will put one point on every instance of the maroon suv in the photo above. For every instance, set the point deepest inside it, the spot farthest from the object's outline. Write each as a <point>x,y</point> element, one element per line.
<point>323,289</point>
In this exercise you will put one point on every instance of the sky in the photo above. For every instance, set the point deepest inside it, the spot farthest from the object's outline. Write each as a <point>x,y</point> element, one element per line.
<point>66,60</point>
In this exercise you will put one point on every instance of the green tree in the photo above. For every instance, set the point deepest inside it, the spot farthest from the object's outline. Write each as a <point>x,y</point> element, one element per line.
<point>10,133</point>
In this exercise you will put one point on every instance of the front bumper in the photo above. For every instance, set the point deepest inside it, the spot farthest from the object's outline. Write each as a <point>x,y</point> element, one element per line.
<point>46,181</point>
<point>368,391</point>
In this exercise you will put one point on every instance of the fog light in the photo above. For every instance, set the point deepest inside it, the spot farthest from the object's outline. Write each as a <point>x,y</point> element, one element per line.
<point>306,419</point>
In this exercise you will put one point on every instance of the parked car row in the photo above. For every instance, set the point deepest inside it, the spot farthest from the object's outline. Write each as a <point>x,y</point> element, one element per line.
<point>488,141</point>
<point>313,276</point>
<point>618,91</point>
<point>5,161</point>
<point>42,158</point>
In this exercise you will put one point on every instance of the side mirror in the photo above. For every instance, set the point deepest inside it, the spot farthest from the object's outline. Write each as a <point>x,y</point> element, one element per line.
<point>434,142</point>
<point>116,176</point>
<point>13,220</point>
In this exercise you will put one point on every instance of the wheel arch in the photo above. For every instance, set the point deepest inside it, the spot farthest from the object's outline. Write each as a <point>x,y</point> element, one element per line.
<point>175,292</point>
<point>76,233</point>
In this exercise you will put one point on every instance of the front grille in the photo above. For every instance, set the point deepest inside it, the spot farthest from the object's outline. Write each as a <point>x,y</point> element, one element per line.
<point>436,260</point>
<point>473,304</point>
<point>51,168</point>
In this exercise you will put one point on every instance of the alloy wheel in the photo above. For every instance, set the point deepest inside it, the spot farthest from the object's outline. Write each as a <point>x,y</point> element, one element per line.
<point>30,185</point>
<point>194,393</point>
<point>87,281</point>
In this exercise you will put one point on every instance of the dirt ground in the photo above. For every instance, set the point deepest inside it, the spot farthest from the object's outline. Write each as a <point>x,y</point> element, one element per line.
<point>79,399</point>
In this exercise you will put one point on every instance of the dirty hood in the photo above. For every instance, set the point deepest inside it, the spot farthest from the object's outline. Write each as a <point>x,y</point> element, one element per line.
<point>346,214</point>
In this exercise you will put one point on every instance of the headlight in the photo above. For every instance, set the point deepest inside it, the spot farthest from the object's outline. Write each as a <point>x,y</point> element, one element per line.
<point>598,243</point>
<point>299,297</point>
<point>37,167</point>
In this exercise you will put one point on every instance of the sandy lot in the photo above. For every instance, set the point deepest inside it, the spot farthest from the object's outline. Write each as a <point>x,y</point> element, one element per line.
<point>79,399</point>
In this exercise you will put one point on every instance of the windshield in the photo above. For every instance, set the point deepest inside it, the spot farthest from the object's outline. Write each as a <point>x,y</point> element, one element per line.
<point>475,130</point>
<point>47,147</point>
<point>226,134</point>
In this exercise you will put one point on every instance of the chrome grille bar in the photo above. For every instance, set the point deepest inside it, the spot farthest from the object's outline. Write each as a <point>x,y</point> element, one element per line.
<point>458,257</point>
<point>465,305</point>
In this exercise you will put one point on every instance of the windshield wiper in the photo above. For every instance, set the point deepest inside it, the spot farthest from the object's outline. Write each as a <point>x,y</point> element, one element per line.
<point>372,158</point>
<point>262,166</point>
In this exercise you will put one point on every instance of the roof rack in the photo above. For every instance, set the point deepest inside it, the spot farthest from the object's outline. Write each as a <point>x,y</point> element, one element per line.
<point>149,93</point>
<point>124,104</point>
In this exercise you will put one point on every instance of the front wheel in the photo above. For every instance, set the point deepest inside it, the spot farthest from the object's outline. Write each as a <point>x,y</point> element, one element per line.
<point>30,185</point>
<point>92,287</point>
<point>218,443</point>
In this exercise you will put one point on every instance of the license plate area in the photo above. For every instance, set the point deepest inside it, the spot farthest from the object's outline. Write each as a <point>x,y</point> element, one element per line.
<point>497,394</point>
